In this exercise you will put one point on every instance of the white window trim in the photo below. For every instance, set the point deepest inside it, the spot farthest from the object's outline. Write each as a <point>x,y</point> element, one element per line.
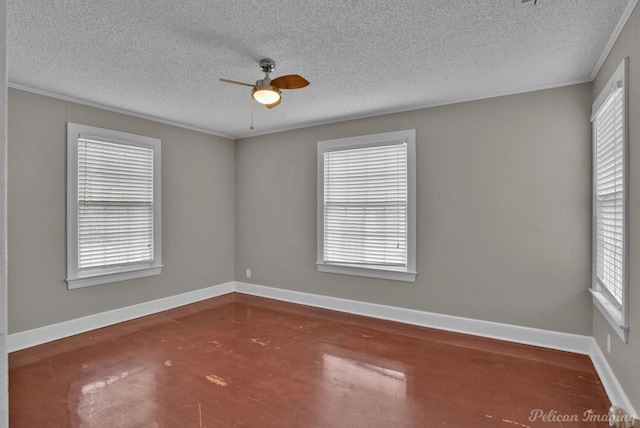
<point>617,316</point>
<point>407,136</point>
<point>77,279</point>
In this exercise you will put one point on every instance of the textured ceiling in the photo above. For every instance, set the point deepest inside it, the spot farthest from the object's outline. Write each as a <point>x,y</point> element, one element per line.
<point>162,59</point>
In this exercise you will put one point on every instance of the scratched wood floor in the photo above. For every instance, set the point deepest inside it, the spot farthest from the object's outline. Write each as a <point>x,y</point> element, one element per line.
<point>243,361</point>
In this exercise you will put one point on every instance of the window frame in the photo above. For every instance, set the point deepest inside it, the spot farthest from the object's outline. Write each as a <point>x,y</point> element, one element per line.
<point>408,273</point>
<point>96,276</point>
<point>616,314</point>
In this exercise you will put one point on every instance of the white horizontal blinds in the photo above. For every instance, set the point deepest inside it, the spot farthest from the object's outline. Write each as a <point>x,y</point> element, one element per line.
<point>609,194</point>
<point>365,206</point>
<point>115,203</point>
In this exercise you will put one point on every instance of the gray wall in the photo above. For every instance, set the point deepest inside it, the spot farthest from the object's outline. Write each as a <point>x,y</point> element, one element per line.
<point>503,211</point>
<point>504,223</point>
<point>624,358</point>
<point>197,213</point>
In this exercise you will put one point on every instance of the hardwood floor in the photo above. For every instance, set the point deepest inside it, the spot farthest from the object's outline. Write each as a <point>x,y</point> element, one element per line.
<point>244,361</point>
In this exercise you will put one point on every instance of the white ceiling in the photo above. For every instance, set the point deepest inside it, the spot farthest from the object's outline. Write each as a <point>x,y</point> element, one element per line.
<point>162,59</point>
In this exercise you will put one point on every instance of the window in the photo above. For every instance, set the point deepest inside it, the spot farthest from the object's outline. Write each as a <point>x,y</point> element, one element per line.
<point>113,206</point>
<point>366,206</point>
<point>609,124</point>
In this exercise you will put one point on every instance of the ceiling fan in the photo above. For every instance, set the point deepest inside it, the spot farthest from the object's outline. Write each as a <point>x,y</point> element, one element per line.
<point>267,91</point>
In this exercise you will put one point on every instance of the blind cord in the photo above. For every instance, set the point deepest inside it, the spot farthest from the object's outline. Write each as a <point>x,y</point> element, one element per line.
<point>252,103</point>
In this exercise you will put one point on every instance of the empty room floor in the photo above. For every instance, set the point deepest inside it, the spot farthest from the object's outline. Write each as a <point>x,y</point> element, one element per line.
<point>245,361</point>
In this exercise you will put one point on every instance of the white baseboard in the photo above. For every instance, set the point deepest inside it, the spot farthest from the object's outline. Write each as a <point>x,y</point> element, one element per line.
<point>614,390</point>
<point>512,333</point>
<point>580,344</point>
<point>38,336</point>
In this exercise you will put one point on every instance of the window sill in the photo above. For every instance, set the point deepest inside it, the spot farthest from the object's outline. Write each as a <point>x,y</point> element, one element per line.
<point>611,313</point>
<point>367,272</point>
<point>104,278</point>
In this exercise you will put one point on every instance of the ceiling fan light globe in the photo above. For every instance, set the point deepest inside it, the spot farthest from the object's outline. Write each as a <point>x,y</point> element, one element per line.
<point>266,94</point>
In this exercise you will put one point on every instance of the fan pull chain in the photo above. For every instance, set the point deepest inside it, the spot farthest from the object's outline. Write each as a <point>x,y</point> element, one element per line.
<point>252,102</point>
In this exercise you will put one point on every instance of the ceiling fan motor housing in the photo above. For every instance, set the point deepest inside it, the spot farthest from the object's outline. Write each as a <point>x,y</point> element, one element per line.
<point>267,65</point>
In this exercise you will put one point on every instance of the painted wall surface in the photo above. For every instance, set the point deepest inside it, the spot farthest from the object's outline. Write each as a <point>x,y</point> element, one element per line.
<point>4,330</point>
<point>197,213</point>
<point>625,358</point>
<point>504,225</point>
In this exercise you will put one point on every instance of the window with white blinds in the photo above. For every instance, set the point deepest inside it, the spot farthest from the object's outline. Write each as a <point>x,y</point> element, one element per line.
<point>609,127</point>
<point>113,206</point>
<point>609,194</point>
<point>366,201</point>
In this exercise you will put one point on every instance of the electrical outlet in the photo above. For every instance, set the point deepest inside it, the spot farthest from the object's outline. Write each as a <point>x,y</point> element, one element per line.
<point>247,273</point>
<point>609,343</point>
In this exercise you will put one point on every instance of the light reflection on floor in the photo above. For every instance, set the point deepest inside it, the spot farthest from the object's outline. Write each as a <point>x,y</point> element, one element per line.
<point>115,398</point>
<point>372,390</point>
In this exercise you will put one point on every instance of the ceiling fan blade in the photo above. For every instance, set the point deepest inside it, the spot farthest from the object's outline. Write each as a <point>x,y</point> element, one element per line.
<point>290,81</point>
<point>236,82</point>
<point>273,104</point>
